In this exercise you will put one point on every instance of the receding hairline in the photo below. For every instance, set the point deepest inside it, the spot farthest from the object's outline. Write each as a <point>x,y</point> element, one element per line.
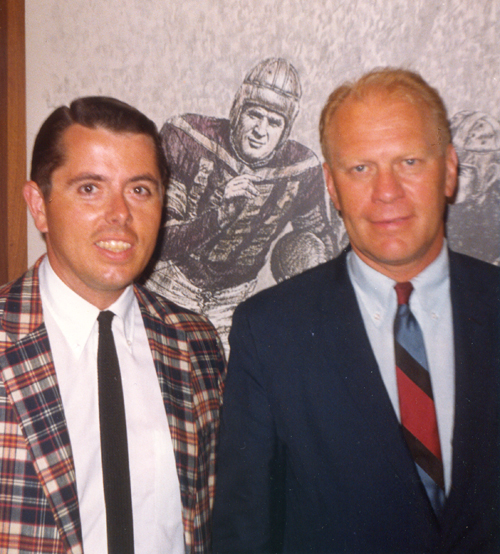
<point>400,84</point>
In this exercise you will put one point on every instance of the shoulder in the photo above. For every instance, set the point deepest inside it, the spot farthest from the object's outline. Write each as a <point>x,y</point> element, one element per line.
<point>298,150</point>
<point>184,331</point>
<point>475,294</point>
<point>20,306</point>
<point>294,161</point>
<point>170,314</point>
<point>18,287</point>
<point>191,124</point>
<point>476,275</point>
<point>300,295</point>
<point>4,294</point>
<point>293,152</point>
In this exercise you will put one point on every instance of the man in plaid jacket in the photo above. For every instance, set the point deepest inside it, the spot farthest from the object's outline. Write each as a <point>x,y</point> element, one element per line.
<point>96,193</point>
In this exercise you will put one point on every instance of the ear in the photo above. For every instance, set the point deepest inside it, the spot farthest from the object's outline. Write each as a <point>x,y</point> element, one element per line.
<point>330,185</point>
<point>36,204</point>
<point>451,171</point>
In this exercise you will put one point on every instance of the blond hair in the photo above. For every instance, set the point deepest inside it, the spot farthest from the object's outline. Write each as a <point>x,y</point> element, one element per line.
<point>401,83</point>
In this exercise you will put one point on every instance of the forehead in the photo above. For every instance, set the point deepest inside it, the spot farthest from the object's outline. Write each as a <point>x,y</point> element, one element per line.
<point>373,104</point>
<point>107,154</point>
<point>78,140</point>
<point>261,110</point>
<point>381,116</point>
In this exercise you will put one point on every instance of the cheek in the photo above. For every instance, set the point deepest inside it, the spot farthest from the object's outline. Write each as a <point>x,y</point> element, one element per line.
<point>59,222</point>
<point>148,222</point>
<point>354,200</point>
<point>244,128</point>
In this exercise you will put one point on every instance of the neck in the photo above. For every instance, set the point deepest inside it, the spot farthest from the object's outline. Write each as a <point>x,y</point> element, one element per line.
<point>405,270</point>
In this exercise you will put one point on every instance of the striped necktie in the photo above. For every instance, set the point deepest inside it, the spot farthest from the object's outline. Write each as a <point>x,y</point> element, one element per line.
<point>416,401</point>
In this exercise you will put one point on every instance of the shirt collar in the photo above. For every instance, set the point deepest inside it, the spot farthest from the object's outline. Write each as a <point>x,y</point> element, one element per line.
<point>123,309</point>
<point>377,290</point>
<point>64,303</point>
<point>432,284</point>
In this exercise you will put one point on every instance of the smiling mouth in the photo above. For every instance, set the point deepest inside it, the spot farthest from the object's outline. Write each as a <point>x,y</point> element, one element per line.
<point>255,144</point>
<point>114,245</point>
<point>392,221</point>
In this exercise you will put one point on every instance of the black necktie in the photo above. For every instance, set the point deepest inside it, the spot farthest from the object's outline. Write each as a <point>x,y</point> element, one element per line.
<point>114,450</point>
<point>416,401</point>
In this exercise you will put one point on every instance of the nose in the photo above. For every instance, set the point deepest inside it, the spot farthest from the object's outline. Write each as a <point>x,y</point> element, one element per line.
<point>387,187</point>
<point>118,210</point>
<point>260,128</point>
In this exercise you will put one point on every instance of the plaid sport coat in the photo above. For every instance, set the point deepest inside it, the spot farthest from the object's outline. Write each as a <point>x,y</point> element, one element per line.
<point>38,499</point>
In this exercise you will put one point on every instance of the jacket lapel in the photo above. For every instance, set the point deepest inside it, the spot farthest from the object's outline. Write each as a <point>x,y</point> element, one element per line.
<point>359,372</point>
<point>31,385</point>
<point>172,362</point>
<point>475,318</point>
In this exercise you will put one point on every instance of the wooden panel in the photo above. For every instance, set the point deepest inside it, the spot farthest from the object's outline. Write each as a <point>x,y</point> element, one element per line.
<point>13,239</point>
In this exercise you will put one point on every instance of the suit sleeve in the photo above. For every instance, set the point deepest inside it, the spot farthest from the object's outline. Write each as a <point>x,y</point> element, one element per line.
<point>249,493</point>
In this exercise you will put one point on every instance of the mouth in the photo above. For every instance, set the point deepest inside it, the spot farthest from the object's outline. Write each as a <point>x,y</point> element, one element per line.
<point>114,245</point>
<point>255,143</point>
<point>391,223</point>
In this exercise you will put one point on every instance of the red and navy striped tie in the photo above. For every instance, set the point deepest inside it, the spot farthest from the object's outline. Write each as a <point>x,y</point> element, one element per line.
<point>416,401</point>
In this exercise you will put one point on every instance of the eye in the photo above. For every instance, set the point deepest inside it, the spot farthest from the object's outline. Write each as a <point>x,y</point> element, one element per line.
<point>276,123</point>
<point>142,190</point>
<point>410,161</point>
<point>359,168</point>
<point>87,188</point>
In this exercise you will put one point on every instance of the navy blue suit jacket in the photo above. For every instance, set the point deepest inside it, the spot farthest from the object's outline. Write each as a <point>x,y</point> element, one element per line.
<point>312,458</point>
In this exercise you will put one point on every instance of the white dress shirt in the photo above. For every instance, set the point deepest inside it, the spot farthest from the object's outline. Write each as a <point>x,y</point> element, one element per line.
<point>430,303</point>
<point>73,334</point>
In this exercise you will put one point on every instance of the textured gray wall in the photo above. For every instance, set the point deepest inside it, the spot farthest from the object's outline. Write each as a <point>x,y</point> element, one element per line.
<point>170,57</point>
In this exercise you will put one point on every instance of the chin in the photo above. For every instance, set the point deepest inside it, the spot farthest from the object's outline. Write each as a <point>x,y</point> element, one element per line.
<point>117,282</point>
<point>387,256</point>
<point>251,158</point>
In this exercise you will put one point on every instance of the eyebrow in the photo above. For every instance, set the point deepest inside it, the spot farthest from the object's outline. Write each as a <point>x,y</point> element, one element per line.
<point>255,111</point>
<point>146,177</point>
<point>86,177</point>
<point>100,178</point>
<point>276,120</point>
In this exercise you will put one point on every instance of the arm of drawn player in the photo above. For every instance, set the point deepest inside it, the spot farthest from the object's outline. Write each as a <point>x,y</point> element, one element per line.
<point>237,192</point>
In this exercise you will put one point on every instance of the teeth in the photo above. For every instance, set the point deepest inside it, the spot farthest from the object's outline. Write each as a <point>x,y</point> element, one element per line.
<point>114,245</point>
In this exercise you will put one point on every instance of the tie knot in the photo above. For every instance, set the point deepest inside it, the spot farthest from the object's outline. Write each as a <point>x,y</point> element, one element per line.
<point>403,290</point>
<point>105,318</point>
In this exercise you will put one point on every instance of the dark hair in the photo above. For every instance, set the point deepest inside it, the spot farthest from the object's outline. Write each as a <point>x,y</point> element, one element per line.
<point>92,112</point>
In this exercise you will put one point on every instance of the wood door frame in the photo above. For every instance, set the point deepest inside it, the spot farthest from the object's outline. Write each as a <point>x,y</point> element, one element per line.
<point>13,218</point>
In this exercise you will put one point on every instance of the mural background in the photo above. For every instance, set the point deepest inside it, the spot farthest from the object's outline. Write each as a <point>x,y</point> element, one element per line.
<point>169,58</point>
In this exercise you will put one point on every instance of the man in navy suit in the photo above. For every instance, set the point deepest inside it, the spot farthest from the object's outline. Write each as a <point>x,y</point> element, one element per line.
<point>339,433</point>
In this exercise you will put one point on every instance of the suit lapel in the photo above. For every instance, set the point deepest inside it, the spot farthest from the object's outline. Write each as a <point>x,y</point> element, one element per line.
<point>171,358</point>
<point>476,382</point>
<point>31,385</point>
<point>358,368</point>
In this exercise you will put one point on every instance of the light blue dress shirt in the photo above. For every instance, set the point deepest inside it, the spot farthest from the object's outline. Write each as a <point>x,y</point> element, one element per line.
<point>430,303</point>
